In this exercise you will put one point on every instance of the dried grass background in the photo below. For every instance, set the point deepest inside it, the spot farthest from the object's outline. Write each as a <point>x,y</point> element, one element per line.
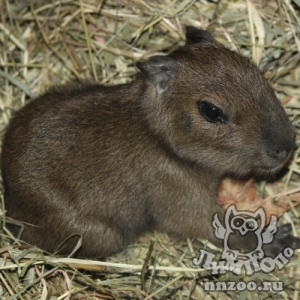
<point>52,42</point>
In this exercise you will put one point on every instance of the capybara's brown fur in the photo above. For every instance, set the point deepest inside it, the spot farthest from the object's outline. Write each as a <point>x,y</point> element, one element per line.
<point>110,163</point>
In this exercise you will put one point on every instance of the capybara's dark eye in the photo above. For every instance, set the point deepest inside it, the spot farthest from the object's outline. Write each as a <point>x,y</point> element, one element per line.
<point>211,112</point>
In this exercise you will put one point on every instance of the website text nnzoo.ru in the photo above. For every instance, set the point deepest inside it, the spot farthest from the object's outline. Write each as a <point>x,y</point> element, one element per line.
<point>242,285</point>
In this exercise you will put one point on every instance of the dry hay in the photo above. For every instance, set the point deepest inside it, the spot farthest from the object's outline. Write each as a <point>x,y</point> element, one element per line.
<point>51,42</point>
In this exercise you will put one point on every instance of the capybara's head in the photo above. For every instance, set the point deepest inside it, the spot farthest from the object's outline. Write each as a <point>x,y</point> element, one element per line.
<point>215,108</point>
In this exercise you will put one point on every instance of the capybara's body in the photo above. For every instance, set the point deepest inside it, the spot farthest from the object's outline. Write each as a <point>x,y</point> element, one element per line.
<point>110,163</point>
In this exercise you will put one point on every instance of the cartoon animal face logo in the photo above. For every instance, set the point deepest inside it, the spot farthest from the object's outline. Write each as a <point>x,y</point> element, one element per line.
<point>242,223</point>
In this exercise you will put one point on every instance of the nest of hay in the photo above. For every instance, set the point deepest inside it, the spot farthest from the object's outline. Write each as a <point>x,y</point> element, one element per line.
<point>52,42</point>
